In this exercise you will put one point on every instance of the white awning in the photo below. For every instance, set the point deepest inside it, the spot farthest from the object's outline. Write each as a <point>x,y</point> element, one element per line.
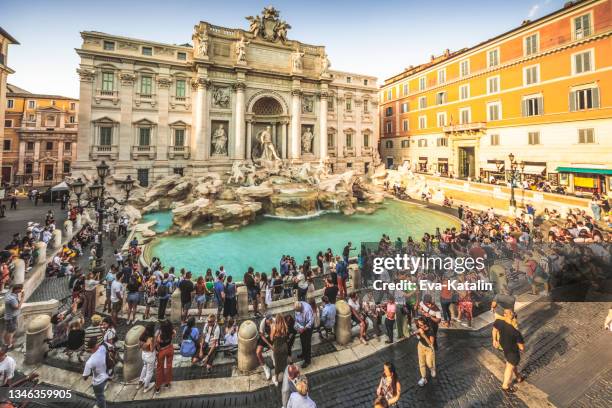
<point>534,170</point>
<point>492,167</point>
<point>61,187</point>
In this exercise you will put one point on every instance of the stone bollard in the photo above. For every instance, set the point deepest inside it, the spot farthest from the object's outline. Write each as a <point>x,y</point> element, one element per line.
<point>175,306</point>
<point>41,251</point>
<point>18,272</point>
<point>243,302</point>
<point>343,323</point>
<point>78,222</point>
<point>68,228</point>
<point>100,296</point>
<point>56,239</point>
<point>39,330</point>
<point>132,359</point>
<point>355,277</point>
<point>247,343</point>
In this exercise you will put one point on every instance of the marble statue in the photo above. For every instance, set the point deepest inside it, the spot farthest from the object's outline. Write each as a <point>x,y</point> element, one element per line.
<point>281,30</point>
<point>296,59</point>
<point>241,50</point>
<point>268,152</point>
<point>255,25</point>
<point>236,174</point>
<point>325,65</point>
<point>268,26</point>
<point>200,38</point>
<point>320,171</point>
<point>221,97</point>
<point>219,140</point>
<point>249,172</point>
<point>307,137</point>
<point>304,173</point>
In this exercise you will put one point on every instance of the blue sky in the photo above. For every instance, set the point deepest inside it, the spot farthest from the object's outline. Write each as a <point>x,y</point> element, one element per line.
<point>379,38</point>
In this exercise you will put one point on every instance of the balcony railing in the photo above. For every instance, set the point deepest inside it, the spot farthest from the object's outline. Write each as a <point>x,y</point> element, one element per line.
<point>103,151</point>
<point>175,151</point>
<point>103,94</point>
<point>367,150</point>
<point>349,151</point>
<point>180,101</point>
<point>464,127</point>
<point>145,98</point>
<point>331,151</point>
<point>148,151</point>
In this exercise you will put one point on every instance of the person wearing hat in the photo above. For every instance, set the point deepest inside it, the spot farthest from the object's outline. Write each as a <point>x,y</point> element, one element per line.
<point>12,310</point>
<point>264,342</point>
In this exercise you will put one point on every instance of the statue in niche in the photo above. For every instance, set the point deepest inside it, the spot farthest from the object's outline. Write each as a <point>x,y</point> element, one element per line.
<point>266,149</point>
<point>219,140</point>
<point>296,59</point>
<point>221,97</point>
<point>241,49</point>
<point>325,65</point>
<point>307,104</point>
<point>307,138</point>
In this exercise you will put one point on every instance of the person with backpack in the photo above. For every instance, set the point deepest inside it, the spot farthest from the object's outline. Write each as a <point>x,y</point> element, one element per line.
<point>191,343</point>
<point>133,297</point>
<point>163,295</point>
<point>230,307</point>
<point>165,355</point>
<point>219,289</point>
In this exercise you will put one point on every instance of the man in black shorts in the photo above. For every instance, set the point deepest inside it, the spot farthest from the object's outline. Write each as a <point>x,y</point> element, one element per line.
<point>186,287</point>
<point>512,343</point>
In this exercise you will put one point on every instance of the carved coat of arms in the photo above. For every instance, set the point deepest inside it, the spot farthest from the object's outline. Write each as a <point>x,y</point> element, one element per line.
<point>269,26</point>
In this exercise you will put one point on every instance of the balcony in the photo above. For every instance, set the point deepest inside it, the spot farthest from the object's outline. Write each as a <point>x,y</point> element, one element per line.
<point>465,128</point>
<point>332,151</point>
<point>180,101</point>
<point>367,151</point>
<point>145,98</point>
<point>143,151</point>
<point>102,94</point>
<point>104,151</point>
<point>178,151</point>
<point>349,151</point>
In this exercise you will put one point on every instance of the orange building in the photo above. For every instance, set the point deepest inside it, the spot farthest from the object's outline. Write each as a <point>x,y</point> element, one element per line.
<point>540,91</point>
<point>5,40</point>
<point>40,133</point>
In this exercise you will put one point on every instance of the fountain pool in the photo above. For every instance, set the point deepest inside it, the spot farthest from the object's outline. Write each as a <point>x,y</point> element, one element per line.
<point>262,243</point>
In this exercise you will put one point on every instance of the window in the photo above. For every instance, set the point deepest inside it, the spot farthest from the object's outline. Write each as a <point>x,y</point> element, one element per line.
<point>178,170</point>
<point>30,146</point>
<point>533,106</point>
<point>143,177</point>
<point>49,146</point>
<point>71,119</point>
<point>365,82</point>
<point>442,142</point>
<point>349,104</point>
<point>31,118</point>
<point>330,104</point>
<point>405,125</point>
<point>441,119</point>
<point>582,26</point>
<point>441,76</point>
<point>144,136</point>
<point>388,127</point>
<point>422,122</point>
<point>182,56</point>
<point>72,106</point>
<point>66,167</point>
<point>106,136</point>
<point>405,144</point>
<point>179,137</point>
<point>404,107</point>
<point>422,102</point>
<point>389,144</point>
<point>180,88</point>
<point>584,98</point>
<point>109,46</point>
<point>464,68</point>
<point>366,140</point>
<point>533,138</point>
<point>493,85</point>
<point>67,146</point>
<point>422,83</point>
<point>494,111</point>
<point>349,140</point>
<point>531,75</point>
<point>422,143</point>
<point>146,85</point>
<point>406,89</point>
<point>464,115</point>
<point>6,145</point>
<point>330,140</point>
<point>584,136</point>
<point>582,62</point>
<point>464,91</point>
<point>389,111</point>
<point>530,45</point>
<point>8,123</point>
<point>31,104</point>
<point>494,140</point>
<point>348,80</point>
<point>147,51</point>
<point>10,103</point>
<point>366,104</point>
<point>440,98</point>
<point>29,167</point>
<point>53,102</point>
<point>493,58</point>
<point>389,94</point>
<point>108,81</point>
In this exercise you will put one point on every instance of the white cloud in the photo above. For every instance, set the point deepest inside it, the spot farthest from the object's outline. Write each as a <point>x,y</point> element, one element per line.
<point>533,11</point>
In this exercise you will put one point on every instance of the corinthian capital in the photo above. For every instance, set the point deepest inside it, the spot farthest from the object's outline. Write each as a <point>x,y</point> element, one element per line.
<point>239,86</point>
<point>200,83</point>
<point>86,75</point>
<point>296,92</point>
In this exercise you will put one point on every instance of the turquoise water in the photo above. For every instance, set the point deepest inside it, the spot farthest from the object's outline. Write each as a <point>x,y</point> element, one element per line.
<point>262,243</point>
<point>163,218</point>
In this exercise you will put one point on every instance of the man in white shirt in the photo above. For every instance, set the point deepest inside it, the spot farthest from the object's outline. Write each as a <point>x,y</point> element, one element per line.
<point>7,368</point>
<point>116,299</point>
<point>96,367</point>
<point>210,333</point>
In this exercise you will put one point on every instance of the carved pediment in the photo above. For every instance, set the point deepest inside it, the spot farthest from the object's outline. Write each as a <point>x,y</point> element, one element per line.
<point>105,120</point>
<point>144,122</point>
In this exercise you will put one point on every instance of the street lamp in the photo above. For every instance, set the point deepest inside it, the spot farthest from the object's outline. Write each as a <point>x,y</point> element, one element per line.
<point>101,203</point>
<point>516,170</point>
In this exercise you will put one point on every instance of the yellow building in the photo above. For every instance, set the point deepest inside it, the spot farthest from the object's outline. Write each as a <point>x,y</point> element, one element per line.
<point>540,91</point>
<point>40,134</point>
<point>5,40</point>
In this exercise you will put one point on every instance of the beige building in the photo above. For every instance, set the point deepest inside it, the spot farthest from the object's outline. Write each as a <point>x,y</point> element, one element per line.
<point>5,40</point>
<point>151,109</point>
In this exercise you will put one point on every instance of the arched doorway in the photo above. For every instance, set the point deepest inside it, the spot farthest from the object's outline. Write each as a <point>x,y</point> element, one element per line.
<point>267,111</point>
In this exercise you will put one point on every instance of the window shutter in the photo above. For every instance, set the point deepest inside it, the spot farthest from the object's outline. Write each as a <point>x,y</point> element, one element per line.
<point>572,101</point>
<point>540,105</point>
<point>595,93</point>
<point>524,107</point>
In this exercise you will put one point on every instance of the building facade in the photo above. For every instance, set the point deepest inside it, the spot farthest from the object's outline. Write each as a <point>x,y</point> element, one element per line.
<point>5,40</point>
<point>540,91</point>
<point>40,133</point>
<point>152,109</point>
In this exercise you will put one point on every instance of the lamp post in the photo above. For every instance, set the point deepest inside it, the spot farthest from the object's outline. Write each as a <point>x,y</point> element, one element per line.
<point>516,170</point>
<point>101,203</point>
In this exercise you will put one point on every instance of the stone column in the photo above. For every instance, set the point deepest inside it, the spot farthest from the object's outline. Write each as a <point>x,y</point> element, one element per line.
<point>18,271</point>
<point>59,166</point>
<point>56,239</point>
<point>296,112</point>
<point>243,302</point>
<point>343,323</point>
<point>36,170</point>
<point>175,307</point>
<point>125,139</point>
<point>323,126</point>
<point>38,330</point>
<point>284,139</point>
<point>247,343</point>
<point>249,138</point>
<point>132,358</point>
<point>355,276</point>
<point>87,77</point>
<point>73,153</point>
<point>41,250</point>
<point>340,136</point>
<point>200,112</point>
<point>239,123</point>
<point>21,162</point>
